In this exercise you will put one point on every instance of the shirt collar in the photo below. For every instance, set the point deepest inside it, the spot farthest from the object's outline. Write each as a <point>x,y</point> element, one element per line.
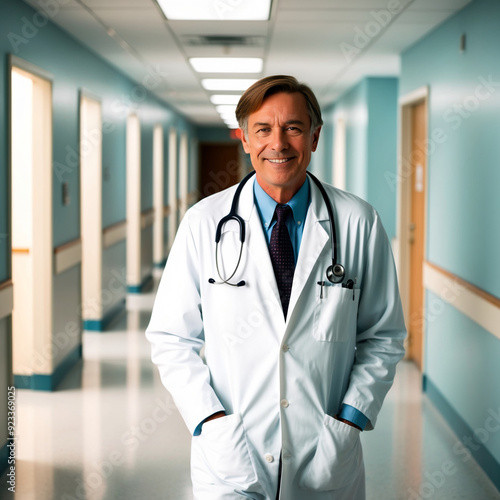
<point>266,205</point>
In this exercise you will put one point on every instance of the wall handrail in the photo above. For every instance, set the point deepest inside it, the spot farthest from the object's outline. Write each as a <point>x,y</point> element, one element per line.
<point>477,304</point>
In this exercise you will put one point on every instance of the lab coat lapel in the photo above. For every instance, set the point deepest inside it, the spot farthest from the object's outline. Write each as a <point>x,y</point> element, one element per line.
<point>314,239</point>
<point>256,241</point>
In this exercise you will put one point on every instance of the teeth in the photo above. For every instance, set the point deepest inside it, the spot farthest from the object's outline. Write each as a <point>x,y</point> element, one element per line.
<point>278,160</point>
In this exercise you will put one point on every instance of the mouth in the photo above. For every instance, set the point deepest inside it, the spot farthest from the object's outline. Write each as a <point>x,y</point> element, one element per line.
<point>279,161</point>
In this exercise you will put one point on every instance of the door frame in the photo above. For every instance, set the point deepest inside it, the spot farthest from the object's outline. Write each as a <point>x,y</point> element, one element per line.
<point>158,195</point>
<point>91,215</point>
<point>42,246</point>
<point>133,204</point>
<point>339,153</point>
<point>172,186</point>
<point>404,200</point>
<point>183,174</point>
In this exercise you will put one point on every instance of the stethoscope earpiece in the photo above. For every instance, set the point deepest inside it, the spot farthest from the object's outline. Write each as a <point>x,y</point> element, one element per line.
<point>335,273</point>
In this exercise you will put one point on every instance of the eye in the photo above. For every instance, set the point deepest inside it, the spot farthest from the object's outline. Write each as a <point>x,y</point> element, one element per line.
<point>293,130</point>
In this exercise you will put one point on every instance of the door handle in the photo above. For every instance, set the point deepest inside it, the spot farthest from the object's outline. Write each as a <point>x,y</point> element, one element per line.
<point>412,231</point>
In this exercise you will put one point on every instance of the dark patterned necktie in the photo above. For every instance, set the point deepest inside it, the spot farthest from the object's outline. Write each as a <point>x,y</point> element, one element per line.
<point>282,257</point>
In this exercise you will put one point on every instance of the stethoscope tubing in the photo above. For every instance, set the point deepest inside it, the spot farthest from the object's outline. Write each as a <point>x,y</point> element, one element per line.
<point>232,215</point>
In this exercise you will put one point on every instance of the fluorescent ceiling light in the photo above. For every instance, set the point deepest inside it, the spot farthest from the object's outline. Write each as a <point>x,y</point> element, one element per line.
<point>225,99</point>
<point>225,109</point>
<point>227,84</point>
<point>226,64</point>
<point>231,124</point>
<point>201,10</point>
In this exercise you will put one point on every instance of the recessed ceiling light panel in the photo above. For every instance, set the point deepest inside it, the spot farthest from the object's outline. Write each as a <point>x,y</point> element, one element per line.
<point>225,99</point>
<point>225,108</point>
<point>216,10</point>
<point>226,64</point>
<point>227,83</point>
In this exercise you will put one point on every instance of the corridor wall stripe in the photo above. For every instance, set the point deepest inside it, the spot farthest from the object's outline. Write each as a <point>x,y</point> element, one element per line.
<point>67,256</point>
<point>481,307</point>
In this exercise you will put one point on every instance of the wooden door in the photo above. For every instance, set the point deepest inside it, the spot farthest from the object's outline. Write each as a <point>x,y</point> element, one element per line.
<point>417,231</point>
<point>219,167</point>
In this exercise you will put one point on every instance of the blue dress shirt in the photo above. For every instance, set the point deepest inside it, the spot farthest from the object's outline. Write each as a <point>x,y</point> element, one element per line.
<point>295,225</point>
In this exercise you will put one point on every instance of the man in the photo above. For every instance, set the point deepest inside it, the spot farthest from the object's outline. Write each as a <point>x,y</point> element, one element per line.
<point>294,369</point>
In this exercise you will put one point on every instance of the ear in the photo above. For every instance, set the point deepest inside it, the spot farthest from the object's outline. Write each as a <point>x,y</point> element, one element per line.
<point>244,142</point>
<point>315,139</point>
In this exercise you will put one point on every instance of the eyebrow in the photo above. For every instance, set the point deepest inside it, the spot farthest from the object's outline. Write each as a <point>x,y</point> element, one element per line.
<point>289,122</point>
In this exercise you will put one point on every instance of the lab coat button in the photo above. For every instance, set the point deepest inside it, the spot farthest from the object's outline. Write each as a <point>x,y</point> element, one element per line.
<point>269,458</point>
<point>284,403</point>
<point>285,348</point>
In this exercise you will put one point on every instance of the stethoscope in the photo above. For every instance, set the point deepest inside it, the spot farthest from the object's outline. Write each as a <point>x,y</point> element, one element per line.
<point>334,273</point>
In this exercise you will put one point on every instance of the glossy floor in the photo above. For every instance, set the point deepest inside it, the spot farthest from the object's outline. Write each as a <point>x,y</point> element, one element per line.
<point>110,431</point>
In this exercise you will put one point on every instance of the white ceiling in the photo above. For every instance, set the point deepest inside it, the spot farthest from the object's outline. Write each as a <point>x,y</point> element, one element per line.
<point>303,38</point>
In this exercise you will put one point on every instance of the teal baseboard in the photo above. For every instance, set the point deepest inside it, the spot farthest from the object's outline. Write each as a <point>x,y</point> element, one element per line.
<point>99,325</point>
<point>39,382</point>
<point>160,265</point>
<point>4,456</point>
<point>146,284</point>
<point>480,453</point>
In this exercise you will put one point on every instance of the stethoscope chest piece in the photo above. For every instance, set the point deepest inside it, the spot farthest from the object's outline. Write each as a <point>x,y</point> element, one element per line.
<point>335,273</point>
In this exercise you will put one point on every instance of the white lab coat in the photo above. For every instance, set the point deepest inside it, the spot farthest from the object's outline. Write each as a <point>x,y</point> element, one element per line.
<point>279,382</point>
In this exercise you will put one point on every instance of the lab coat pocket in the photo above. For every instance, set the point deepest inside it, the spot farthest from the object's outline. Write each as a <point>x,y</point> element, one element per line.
<point>337,460</point>
<point>335,314</point>
<point>224,445</point>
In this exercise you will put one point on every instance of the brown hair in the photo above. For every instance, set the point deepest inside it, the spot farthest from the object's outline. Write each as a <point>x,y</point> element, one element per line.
<point>254,96</point>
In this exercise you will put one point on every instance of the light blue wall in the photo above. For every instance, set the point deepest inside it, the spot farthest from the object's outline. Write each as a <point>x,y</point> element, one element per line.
<point>5,382</point>
<point>66,314</point>
<point>114,277</point>
<point>353,108</point>
<point>382,148</point>
<point>462,361</point>
<point>5,244</point>
<point>463,229</point>
<point>369,110</point>
<point>464,175</point>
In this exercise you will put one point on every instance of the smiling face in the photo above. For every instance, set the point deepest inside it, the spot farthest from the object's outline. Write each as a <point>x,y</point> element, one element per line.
<point>280,144</point>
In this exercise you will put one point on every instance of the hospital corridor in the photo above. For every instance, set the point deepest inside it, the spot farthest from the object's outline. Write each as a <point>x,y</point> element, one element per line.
<point>127,154</point>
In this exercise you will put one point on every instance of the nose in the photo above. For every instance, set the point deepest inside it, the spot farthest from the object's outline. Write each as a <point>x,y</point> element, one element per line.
<point>279,140</point>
